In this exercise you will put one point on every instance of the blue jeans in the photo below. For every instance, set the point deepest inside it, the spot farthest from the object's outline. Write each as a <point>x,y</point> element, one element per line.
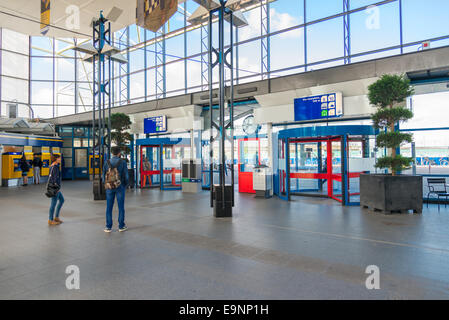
<point>111,194</point>
<point>54,200</point>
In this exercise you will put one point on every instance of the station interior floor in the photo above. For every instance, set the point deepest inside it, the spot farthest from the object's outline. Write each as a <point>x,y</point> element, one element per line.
<point>175,249</point>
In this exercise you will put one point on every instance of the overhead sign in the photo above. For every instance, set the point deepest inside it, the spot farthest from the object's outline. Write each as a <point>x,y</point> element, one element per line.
<point>319,107</point>
<point>45,16</point>
<point>153,14</point>
<point>155,125</point>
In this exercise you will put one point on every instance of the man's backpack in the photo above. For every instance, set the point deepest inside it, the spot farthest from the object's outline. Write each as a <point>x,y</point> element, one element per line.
<point>112,178</point>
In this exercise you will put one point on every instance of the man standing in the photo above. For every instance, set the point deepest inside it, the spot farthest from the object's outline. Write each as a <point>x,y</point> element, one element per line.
<point>115,178</point>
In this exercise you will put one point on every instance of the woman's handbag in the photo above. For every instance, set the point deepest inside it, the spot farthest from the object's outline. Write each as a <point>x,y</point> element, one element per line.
<point>52,188</point>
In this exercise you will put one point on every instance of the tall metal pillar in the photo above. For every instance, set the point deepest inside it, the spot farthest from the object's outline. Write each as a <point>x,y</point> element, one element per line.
<point>185,48</point>
<point>265,40</point>
<point>160,73</point>
<point>344,171</point>
<point>401,27</point>
<point>222,195</point>
<point>101,100</point>
<point>347,31</point>
<point>123,71</point>
<point>237,75</point>
<point>305,35</point>
<point>204,33</point>
<point>76,84</point>
<point>145,64</point>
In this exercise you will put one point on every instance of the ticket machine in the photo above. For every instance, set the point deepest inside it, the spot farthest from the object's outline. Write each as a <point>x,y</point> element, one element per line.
<point>29,155</point>
<point>45,157</point>
<point>98,164</point>
<point>11,172</point>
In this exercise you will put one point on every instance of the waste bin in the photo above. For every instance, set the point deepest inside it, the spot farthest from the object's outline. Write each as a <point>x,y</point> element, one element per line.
<point>262,181</point>
<point>222,207</point>
<point>99,190</point>
<point>131,181</point>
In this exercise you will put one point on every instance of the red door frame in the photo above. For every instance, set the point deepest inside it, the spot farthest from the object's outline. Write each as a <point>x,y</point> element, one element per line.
<point>329,175</point>
<point>246,178</point>
<point>145,174</point>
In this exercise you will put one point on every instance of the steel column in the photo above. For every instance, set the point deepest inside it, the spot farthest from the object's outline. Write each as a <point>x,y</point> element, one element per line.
<point>347,31</point>
<point>265,38</point>
<point>221,61</point>
<point>102,88</point>
<point>160,72</point>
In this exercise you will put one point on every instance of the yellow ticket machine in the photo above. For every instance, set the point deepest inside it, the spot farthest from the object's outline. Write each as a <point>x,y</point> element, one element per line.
<point>45,156</point>
<point>98,164</point>
<point>10,165</point>
<point>29,155</point>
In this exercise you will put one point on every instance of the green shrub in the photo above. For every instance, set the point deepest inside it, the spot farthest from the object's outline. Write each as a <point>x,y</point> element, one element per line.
<point>388,94</point>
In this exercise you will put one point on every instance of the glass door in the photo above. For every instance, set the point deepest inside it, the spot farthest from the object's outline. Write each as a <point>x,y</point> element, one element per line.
<point>81,163</point>
<point>248,158</point>
<point>172,156</point>
<point>150,168</point>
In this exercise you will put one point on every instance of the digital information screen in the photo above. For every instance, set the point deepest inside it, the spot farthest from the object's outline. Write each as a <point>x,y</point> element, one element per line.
<point>155,125</point>
<point>319,107</point>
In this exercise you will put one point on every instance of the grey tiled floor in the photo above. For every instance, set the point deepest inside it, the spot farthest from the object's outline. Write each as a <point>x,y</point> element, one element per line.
<point>176,249</point>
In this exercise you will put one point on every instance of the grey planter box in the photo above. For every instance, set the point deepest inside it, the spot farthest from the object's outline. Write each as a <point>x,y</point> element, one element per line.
<point>391,194</point>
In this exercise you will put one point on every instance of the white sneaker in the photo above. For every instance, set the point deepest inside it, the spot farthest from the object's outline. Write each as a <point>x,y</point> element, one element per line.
<point>123,229</point>
<point>107,230</point>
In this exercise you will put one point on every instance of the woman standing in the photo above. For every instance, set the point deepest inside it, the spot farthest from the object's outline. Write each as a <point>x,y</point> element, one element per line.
<point>23,165</point>
<point>37,167</point>
<point>55,180</point>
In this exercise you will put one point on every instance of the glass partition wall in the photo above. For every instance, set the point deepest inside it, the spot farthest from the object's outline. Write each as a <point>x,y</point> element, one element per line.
<point>282,37</point>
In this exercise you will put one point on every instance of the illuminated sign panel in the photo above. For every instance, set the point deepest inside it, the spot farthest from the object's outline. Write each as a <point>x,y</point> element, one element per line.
<point>155,125</point>
<point>319,107</point>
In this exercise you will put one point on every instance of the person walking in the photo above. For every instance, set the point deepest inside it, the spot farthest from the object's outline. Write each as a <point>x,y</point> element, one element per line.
<point>57,201</point>
<point>23,165</point>
<point>116,179</point>
<point>37,168</point>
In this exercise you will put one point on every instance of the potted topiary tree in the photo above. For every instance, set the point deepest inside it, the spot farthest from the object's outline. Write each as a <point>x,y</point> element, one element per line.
<point>393,192</point>
<point>120,124</point>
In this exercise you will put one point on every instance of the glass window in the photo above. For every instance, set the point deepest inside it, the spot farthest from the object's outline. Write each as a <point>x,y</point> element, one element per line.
<point>43,111</point>
<point>375,28</point>
<point>15,41</point>
<point>65,69</point>
<point>137,89</point>
<point>175,76</point>
<point>325,40</point>
<point>424,19</point>
<point>41,68</point>
<point>287,49</point>
<point>285,14</point>
<point>41,92</point>
<point>321,9</point>
<point>430,111</point>
<point>15,65</point>
<point>14,89</point>
<point>41,46</point>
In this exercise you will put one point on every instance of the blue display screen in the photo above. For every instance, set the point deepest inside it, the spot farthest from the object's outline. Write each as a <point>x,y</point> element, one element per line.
<point>318,107</point>
<point>155,125</point>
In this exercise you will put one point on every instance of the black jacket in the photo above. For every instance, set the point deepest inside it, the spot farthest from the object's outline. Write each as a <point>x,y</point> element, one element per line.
<point>37,162</point>
<point>23,165</point>
<point>55,175</point>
